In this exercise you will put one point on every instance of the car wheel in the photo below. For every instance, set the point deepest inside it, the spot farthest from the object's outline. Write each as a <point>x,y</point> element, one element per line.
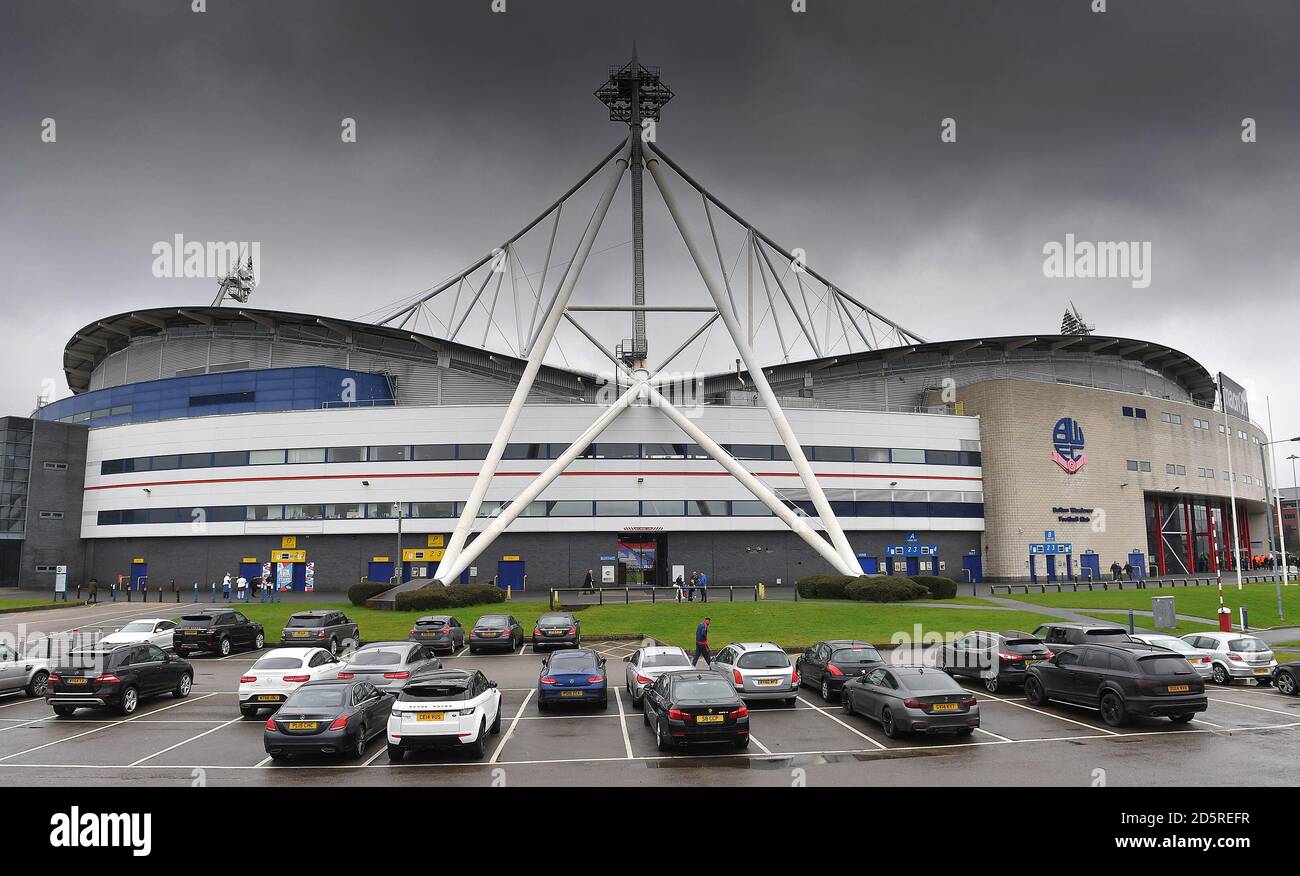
<point>496,722</point>
<point>742,742</point>
<point>541,704</point>
<point>1181,719</point>
<point>183,686</point>
<point>1220,674</point>
<point>991,684</point>
<point>248,711</point>
<point>64,711</point>
<point>473,651</point>
<point>846,703</point>
<point>334,646</point>
<point>826,690</point>
<point>280,756</point>
<point>130,701</point>
<point>1263,682</point>
<point>1112,710</point>
<point>887,724</point>
<point>359,747</point>
<point>1034,693</point>
<point>1286,683</point>
<point>645,713</point>
<point>662,740</point>
<point>223,647</point>
<point>39,684</point>
<point>258,641</point>
<point>395,753</point>
<point>603,704</point>
<point>479,746</point>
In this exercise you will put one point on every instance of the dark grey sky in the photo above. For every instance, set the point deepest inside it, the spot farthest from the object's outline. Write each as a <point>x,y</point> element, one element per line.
<point>821,128</point>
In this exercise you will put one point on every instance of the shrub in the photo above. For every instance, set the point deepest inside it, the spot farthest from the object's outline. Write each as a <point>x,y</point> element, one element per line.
<point>822,586</point>
<point>455,596</point>
<point>939,587</point>
<point>885,588</point>
<point>359,593</point>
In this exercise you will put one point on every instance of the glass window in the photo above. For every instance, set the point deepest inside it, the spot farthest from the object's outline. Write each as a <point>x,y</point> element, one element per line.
<point>382,511</point>
<point>707,508</point>
<point>304,512</point>
<point>1140,413</point>
<point>525,451</point>
<point>196,460</point>
<point>898,455</point>
<point>345,454</point>
<point>266,457</point>
<point>343,512</point>
<point>750,451</point>
<point>664,451</point>
<point>230,457</point>
<point>165,463</point>
<point>833,454</point>
<point>472,451</point>
<point>1127,411</point>
<point>432,509</point>
<point>433,451</point>
<point>749,508</point>
<point>870,454</point>
<point>568,509</point>
<point>305,455</point>
<point>663,508</point>
<point>618,508</point>
<point>695,451</point>
<point>390,453</point>
<point>615,451</point>
<point>1144,465</point>
<point>943,457</point>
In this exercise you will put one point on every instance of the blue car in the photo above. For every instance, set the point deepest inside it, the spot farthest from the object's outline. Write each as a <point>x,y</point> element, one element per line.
<point>573,677</point>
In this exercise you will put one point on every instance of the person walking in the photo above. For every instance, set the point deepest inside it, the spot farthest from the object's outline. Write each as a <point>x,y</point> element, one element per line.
<point>1114,570</point>
<point>702,644</point>
<point>588,581</point>
<point>93,595</point>
<point>225,587</point>
<point>241,589</point>
<point>1128,571</point>
<point>704,587</point>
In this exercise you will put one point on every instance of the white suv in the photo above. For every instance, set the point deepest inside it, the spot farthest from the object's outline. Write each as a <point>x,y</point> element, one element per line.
<point>442,709</point>
<point>758,671</point>
<point>1235,655</point>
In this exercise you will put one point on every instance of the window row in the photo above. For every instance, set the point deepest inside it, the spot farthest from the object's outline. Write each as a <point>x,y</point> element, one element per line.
<point>599,450</point>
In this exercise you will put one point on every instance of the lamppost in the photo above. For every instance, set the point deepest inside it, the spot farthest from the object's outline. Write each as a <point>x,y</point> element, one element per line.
<point>399,566</point>
<point>1277,501</point>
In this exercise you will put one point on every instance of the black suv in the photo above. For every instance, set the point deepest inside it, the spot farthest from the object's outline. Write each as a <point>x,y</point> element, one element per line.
<point>331,630</point>
<point>1059,636</point>
<point>1121,680</point>
<point>218,631</point>
<point>117,677</point>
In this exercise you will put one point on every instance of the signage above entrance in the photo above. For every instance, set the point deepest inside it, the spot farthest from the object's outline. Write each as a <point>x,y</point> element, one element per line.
<point>289,556</point>
<point>1055,547</point>
<point>912,550</point>
<point>289,542</point>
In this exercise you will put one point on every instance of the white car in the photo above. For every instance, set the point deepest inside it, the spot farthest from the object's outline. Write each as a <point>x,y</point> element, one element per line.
<point>758,671</point>
<point>272,678</point>
<point>1199,658</point>
<point>647,664</point>
<point>18,674</point>
<point>444,709</point>
<point>1235,655</point>
<point>152,630</point>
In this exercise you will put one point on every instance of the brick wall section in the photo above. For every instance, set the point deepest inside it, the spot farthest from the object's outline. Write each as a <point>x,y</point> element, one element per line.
<point>1022,484</point>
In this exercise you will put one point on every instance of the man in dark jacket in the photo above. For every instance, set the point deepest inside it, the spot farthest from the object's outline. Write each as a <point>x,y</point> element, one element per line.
<point>587,581</point>
<point>93,586</point>
<point>702,643</point>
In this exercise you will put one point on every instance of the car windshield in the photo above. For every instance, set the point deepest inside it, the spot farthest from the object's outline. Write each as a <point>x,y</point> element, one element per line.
<point>932,681</point>
<point>855,655</point>
<point>1172,644</point>
<point>197,620</point>
<point>315,698</point>
<point>657,661</point>
<point>1021,643</point>
<point>492,622</point>
<point>431,622</point>
<point>138,627</point>
<point>554,620</point>
<point>377,657</point>
<point>703,689</point>
<point>1105,634</point>
<point>277,663</point>
<point>1248,645</point>
<point>1158,665</point>
<point>82,660</point>
<point>573,663</point>
<point>430,692</point>
<point>764,660</point>
<point>306,622</point>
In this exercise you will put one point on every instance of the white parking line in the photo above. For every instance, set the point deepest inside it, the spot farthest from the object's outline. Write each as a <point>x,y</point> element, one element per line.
<point>383,749</point>
<point>622,720</point>
<point>1249,706</point>
<point>510,731</point>
<point>183,742</point>
<point>104,727</point>
<point>754,739</point>
<point>1208,723</point>
<point>994,735</point>
<point>837,720</point>
<point>1009,702</point>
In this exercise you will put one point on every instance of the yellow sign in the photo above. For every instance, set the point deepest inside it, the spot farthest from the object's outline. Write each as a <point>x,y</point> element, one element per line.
<point>289,542</point>
<point>249,560</point>
<point>138,560</point>
<point>415,555</point>
<point>379,559</point>
<point>438,540</point>
<point>509,557</point>
<point>289,557</point>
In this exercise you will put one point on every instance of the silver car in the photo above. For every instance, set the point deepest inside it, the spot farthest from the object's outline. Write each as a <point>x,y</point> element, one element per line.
<point>758,671</point>
<point>18,674</point>
<point>388,665</point>
<point>647,664</point>
<point>1199,658</point>
<point>912,699</point>
<point>1235,655</point>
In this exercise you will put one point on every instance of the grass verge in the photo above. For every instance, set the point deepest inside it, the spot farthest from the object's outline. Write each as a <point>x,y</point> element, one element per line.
<point>1260,601</point>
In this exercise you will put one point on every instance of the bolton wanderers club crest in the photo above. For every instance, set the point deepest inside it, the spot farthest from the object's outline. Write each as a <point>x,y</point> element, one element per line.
<point>1067,445</point>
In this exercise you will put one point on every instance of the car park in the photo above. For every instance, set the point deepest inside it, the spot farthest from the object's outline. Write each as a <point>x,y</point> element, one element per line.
<point>1062,635</point>
<point>573,677</point>
<point>690,708</point>
<point>555,630</point>
<point>269,681</point>
<point>220,631</point>
<point>328,716</point>
<point>18,673</point>
<point>1199,658</point>
<point>444,709</point>
<point>496,632</point>
<point>154,630</point>
<point>645,665</point>
<point>912,699</point>
<point>1121,681</point>
<point>388,665</point>
<point>1235,656</point>
<point>118,677</point>
<point>1286,678</point>
<point>998,660</point>
<point>827,665</point>
<point>329,629</point>
<point>438,632</point>
<point>758,671</point>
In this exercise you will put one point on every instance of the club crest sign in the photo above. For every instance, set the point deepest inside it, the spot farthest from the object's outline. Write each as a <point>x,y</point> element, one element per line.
<point>1067,445</point>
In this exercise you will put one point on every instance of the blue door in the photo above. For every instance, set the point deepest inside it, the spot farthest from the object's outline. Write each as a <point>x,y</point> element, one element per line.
<point>299,577</point>
<point>870,565</point>
<point>1139,563</point>
<point>139,575</point>
<point>380,571</point>
<point>249,571</point>
<point>1051,568</point>
<point>972,568</point>
<point>1090,567</point>
<point>1033,568</point>
<point>913,567</point>
<point>510,574</point>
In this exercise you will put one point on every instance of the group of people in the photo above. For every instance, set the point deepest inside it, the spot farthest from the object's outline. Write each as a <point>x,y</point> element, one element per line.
<point>698,584</point>
<point>243,588</point>
<point>1116,570</point>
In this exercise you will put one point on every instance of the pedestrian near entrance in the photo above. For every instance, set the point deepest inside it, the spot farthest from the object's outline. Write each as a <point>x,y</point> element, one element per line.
<point>702,643</point>
<point>1128,571</point>
<point>225,587</point>
<point>241,589</point>
<point>176,591</point>
<point>587,582</point>
<point>1114,570</point>
<point>704,587</point>
<point>93,587</point>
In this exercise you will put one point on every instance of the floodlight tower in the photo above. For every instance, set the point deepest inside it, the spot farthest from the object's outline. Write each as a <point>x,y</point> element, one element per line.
<point>634,94</point>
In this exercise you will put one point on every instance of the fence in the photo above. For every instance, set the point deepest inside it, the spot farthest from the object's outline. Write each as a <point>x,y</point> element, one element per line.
<point>596,596</point>
<point>1139,584</point>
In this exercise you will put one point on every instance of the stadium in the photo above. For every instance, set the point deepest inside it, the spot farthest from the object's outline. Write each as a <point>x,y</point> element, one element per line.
<point>200,441</point>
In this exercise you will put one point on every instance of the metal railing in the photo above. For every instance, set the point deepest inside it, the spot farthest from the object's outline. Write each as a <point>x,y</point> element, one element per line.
<point>1027,587</point>
<point>596,596</point>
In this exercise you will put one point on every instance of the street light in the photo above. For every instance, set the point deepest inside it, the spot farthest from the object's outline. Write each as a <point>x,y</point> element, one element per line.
<point>1277,501</point>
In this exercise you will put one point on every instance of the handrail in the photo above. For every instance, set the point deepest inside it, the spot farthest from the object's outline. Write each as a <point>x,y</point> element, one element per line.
<point>679,593</point>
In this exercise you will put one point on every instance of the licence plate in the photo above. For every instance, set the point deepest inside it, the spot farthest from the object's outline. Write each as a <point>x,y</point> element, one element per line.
<point>1261,670</point>
<point>944,707</point>
<point>191,632</point>
<point>486,635</point>
<point>269,698</point>
<point>570,693</point>
<point>303,725</point>
<point>77,680</point>
<point>301,635</point>
<point>767,681</point>
<point>1029,663</point>
<point>429,716</point>
<point>553,632</point>
<point>709,719</point>
<point>1179,688</point>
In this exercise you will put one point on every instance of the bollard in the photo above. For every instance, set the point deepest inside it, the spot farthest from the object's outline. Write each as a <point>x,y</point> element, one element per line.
<point>214,592</point>
<point>196,592</point>
<point>1131,628</point>
<point>1245,618</point>
<point>128,594</point>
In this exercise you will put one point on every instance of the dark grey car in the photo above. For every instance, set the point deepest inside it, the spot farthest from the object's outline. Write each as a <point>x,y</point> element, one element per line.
<point>388,665</point>
<point>912,699</point>
<point>327,629</point>
<point>438,632</point>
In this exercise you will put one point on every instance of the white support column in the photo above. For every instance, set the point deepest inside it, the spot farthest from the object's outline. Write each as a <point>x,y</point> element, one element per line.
<point>540,346</point>
<point>759,379</point>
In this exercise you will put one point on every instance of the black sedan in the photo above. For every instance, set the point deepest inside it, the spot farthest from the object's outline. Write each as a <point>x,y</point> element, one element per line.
<point>827,665</point>
<point>330,716</point>
<point>119,678</point>
<point>496,632</point>
<point>1120,681</point>
<point>219,631</point>
<point>557,630</point>
<point>998,660</point>
<point>689,708</point>
<point>1286,678</point>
